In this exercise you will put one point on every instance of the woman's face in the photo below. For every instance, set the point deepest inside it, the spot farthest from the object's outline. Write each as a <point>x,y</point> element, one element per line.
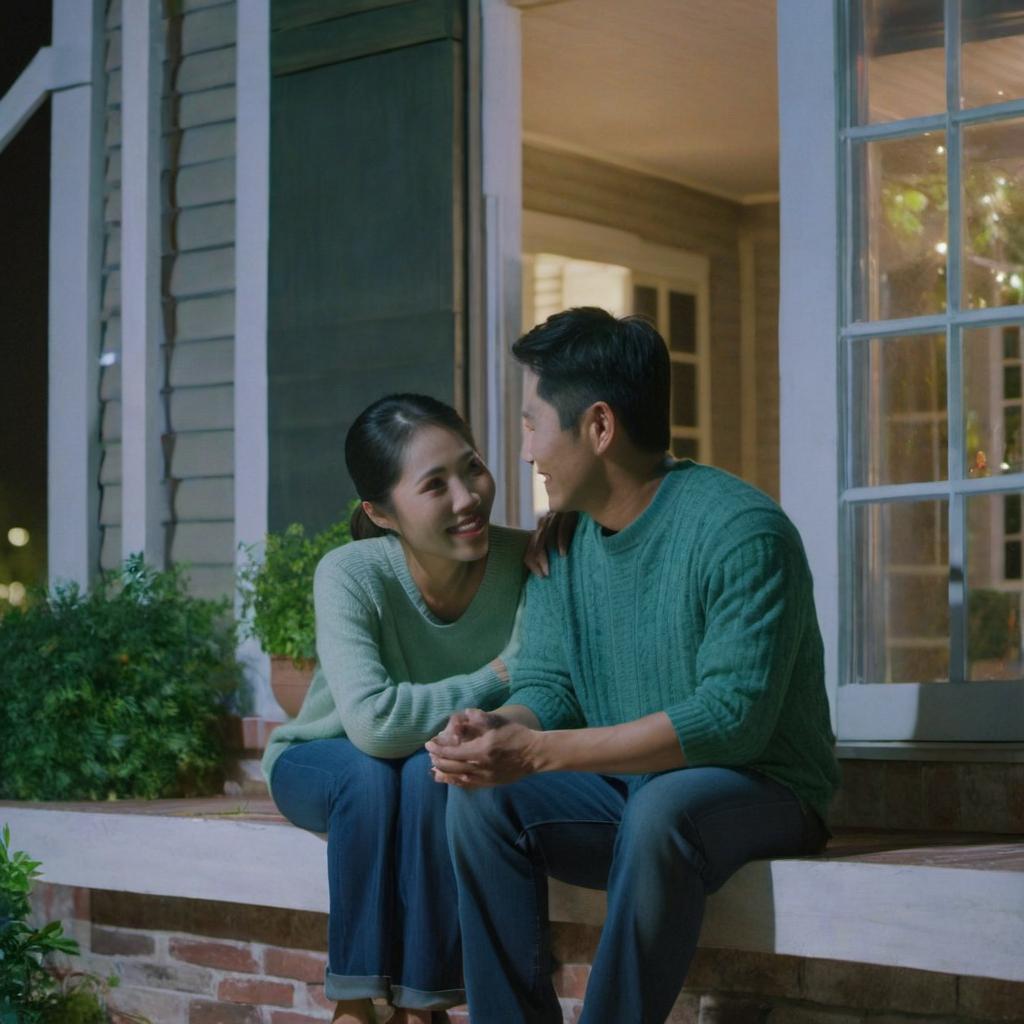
<point>441,505</point>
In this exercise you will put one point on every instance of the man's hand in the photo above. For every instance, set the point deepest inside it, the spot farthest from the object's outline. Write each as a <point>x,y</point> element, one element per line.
<point>479,748</point>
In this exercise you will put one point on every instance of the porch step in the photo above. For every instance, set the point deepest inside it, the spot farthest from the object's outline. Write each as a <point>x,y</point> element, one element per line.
<point>947,903</point>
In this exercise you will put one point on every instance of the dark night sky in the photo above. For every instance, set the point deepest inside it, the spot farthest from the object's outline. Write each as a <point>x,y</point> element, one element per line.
<point>24,226</point>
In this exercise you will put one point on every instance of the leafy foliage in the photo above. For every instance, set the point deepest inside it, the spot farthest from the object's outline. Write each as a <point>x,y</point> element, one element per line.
<point>117,693</point>
<point>29,992</point>
<point>277,589</point>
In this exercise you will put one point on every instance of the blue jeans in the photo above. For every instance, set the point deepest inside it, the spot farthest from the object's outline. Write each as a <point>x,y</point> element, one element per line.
<point>393,929</point>
<point>658,843</point>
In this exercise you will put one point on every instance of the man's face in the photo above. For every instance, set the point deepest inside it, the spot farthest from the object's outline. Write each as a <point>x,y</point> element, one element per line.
<point>561,457</point>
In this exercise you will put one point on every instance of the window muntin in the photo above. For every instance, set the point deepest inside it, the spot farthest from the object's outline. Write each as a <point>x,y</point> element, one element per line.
<point>931,311</point>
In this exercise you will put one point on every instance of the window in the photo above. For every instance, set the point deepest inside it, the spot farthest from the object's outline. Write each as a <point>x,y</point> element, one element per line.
<point>931,304</point>
<point>569,263</point>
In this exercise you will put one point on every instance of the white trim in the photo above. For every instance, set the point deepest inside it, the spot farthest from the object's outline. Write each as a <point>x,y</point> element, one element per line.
<point>252,212</point>
<point>748,357</point>
<point>142,462</point>
<point>954,920</point>
<point>932,711</point>
<point>502,184</point>
<point>76,225</point>
<point>808,301</point>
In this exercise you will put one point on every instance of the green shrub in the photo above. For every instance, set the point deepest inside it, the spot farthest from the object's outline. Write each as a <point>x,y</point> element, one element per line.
<point>30,993</point>
<point>277,589</point>
<point>117,693</point>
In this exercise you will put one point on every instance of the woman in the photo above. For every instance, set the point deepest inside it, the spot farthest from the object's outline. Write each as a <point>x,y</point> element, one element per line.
<point>411,626</point>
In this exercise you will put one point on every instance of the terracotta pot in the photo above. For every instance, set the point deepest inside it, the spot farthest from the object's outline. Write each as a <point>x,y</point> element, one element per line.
<point>289,682</point>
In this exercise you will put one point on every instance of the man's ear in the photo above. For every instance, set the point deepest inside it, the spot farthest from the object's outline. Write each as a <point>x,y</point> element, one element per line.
<point>377,516</point>
<point>600,426</point>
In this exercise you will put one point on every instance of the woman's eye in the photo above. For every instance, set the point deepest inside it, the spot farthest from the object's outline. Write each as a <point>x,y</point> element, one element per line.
<point>476,467</point>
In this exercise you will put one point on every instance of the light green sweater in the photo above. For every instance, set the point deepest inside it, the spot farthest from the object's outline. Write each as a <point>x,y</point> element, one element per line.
<point>701,608</point>
<point>389,672</point>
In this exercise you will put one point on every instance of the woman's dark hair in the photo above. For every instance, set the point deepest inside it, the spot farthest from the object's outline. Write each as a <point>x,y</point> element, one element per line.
<point>375,448</point>
<point>586,355</point>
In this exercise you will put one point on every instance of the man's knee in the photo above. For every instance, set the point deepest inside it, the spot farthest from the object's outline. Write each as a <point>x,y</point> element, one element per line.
<point>473,814</point>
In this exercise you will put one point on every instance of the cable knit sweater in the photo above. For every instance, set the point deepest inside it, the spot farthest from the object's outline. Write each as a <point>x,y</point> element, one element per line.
<point>389,672</point>
<point>701,608</point>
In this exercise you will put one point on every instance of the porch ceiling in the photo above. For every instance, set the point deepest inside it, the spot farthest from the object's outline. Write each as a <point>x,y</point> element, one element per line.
<point>683,89</point>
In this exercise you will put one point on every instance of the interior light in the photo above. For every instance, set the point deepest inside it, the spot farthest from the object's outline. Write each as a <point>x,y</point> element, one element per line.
<point>16,592</point>
<point>18,536</point>
<point>940,248</point>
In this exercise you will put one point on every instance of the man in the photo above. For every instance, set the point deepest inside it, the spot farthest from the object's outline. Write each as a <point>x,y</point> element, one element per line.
<point>668,719</point>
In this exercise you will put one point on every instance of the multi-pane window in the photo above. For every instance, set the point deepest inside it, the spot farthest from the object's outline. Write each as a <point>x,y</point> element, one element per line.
<point>554,282</point>
<point>932,306</point>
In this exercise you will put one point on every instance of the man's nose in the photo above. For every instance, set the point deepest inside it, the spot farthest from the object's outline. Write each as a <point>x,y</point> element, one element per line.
<point>526,449</point>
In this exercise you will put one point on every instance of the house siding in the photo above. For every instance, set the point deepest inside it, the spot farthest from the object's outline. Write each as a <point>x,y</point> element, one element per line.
<point>197,286</point>
<point>666,213</point>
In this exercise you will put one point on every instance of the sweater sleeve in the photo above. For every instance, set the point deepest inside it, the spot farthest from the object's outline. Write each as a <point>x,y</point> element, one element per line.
<point>384,717</point>
<point>756,601</point>
<point>539,673</point>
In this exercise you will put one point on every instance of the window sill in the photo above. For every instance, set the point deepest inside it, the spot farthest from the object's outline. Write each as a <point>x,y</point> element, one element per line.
<point>895,750</point>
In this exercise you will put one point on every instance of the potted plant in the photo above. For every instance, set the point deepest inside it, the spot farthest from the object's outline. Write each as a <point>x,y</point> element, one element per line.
<point>277,605</point>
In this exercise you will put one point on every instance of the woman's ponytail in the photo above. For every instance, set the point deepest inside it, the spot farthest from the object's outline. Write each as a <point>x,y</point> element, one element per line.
<point>362,527</point>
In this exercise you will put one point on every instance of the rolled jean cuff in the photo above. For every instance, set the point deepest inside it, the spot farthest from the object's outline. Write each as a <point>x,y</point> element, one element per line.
<point>414,999</point>
<point>356,986</point>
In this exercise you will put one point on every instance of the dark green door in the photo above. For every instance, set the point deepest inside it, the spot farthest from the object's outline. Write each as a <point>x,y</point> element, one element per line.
<point>367,227</point>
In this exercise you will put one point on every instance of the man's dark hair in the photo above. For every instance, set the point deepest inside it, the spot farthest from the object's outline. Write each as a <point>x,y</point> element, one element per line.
<point>586,355</point>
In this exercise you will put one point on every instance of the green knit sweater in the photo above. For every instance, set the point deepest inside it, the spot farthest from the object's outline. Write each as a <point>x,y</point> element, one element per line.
<point>701,608</point>
<point>389,672</point>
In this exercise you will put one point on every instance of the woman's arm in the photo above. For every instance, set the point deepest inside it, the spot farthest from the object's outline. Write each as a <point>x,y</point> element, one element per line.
<point>382,716</point>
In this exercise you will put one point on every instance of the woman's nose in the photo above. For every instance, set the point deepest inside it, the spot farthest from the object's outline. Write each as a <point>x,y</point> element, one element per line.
<point>464,497</point>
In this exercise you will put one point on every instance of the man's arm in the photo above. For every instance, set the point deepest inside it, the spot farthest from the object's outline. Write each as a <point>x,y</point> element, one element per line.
<point>500,747</point>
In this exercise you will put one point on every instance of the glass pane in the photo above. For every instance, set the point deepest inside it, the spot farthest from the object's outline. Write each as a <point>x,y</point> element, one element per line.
<point>684,394</point>
<point>900,56</point>
<point>993,197</point>
<point>685,447</point>
<point>682,319</point>
<point>645,302</point>
<point>992,401</point>
<point>900,258</point>
<point>992,58</point>
<point>901,593</point>
<point>899,421</point>
<point>995,588</point>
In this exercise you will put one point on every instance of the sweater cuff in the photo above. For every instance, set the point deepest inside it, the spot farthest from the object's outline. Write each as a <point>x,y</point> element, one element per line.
<point>489,690</point>
<point>697,731</point>
<point>549,711</point>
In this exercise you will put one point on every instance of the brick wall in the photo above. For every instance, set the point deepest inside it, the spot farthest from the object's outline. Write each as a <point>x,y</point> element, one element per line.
<point>199,962</point>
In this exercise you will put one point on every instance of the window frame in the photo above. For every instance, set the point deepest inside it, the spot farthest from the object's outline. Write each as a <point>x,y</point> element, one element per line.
<point>984,711</point>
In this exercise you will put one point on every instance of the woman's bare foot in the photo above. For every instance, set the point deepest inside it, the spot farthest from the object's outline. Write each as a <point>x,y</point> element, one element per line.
<point>354,1011</point>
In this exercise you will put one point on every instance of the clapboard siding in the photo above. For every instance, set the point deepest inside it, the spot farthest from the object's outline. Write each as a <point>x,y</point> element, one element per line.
<point>198,171</point>
<point>202,362</point>
<point>204,228</point>
<point>668,214</point>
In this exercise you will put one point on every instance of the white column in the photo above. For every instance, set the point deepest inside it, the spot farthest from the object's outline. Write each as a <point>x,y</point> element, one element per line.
<point>76,223</point>
<point>252,212</point>
<point>808,310</point>
<point>141,318</point>
<point>501,143</point>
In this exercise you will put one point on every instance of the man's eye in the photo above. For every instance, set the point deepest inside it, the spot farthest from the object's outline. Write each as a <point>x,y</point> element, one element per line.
<point>476,467</point>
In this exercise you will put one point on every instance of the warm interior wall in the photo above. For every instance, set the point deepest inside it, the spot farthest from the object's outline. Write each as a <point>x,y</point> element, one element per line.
<point>667,213</point>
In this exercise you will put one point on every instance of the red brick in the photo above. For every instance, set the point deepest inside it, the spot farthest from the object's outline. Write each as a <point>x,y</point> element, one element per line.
<point>222,1013</point>
<point>81,904</point>
<point>992,999</point>
<point>256,732</point>
<point>289,963</point>
<point>290,1017</point>
<point>317,997</point>
<point>115,942</point>
<point>214,954</point>
<point>877,987</point>
<point>259,992</point>
<point>570,980</point>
